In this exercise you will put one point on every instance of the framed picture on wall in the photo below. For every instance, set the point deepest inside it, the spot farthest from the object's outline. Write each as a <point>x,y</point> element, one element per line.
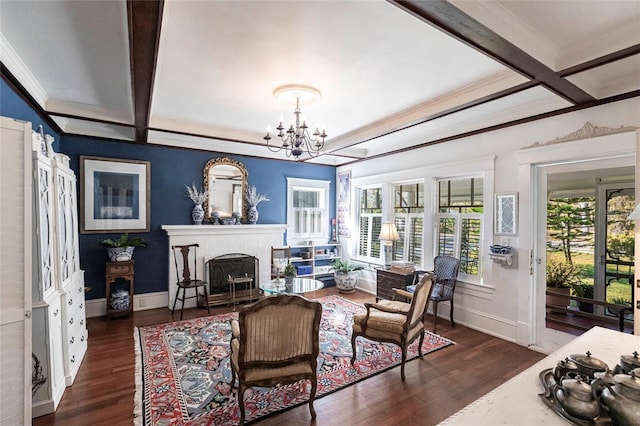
<point>344,187</point>
<point>506,213</point>
<point>114,195</point>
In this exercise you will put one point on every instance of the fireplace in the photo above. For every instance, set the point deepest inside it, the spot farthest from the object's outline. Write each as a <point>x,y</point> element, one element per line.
<point>217,240</point>
<point>233,274</point>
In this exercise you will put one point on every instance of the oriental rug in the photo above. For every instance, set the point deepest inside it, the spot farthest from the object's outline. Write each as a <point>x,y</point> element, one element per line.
<point>183,372</point>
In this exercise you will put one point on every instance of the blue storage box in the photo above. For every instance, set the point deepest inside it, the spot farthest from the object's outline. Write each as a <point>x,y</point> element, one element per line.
<point>303,269</point>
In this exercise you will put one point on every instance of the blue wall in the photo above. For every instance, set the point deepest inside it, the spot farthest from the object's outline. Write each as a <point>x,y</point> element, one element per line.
<point>171,169</point>
<point>12,105</point>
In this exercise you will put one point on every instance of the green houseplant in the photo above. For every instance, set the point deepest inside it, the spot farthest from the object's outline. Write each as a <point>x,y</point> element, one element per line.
<point>586,291</point>
<point>346,275</point>
<point>560,277</point>
<point>121,248</point>
<point>289,273</point>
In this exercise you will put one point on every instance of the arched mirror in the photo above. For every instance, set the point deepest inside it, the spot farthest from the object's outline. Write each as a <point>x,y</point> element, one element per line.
<point>226,182</point>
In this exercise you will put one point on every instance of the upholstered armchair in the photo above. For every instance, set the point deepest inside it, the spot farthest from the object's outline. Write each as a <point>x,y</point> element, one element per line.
<point>394,321</point>
<point>276,341</point>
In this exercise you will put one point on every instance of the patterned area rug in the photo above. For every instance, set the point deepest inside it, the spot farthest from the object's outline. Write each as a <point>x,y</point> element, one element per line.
<point>183,373</point>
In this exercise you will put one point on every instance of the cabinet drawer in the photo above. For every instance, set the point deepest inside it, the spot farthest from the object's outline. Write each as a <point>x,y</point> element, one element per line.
<point>119,268</point>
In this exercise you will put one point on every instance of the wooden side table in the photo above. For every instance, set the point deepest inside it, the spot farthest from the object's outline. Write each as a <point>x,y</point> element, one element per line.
<point>115,270</point>
<point>391,278</point>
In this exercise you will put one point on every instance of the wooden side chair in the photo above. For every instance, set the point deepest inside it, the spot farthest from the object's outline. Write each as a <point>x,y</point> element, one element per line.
<point>446,270</point>
<point>189,262</point>
<point>276,341</point>
<point>395,322</point>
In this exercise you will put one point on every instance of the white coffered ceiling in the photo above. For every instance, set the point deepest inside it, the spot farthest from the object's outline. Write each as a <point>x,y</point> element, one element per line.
<point>393,75</point>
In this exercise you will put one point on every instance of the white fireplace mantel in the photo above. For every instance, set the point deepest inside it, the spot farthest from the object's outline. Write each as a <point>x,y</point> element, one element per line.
<point>216,240</point>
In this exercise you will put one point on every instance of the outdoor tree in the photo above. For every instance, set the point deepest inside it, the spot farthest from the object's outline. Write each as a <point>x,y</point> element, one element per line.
<point>570,222</point>
<point>621,236</point>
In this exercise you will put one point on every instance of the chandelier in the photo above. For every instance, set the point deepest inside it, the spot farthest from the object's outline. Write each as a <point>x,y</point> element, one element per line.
<point>296,140</point>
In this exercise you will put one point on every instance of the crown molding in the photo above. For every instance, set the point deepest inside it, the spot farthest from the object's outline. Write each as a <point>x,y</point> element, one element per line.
<point>585,132</point>
<point>14,63</point>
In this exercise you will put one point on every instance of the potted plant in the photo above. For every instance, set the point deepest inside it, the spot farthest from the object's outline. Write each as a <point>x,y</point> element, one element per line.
<point>560,277</point>
<point>586,291</point>
<point>121,249</point>
<point>289,273</point>
<point>346,275</point>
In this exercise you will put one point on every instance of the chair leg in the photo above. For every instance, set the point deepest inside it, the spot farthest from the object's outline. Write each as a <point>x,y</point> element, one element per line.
<point>353,347</point>
<point>435,314</point>
<point>403,348</point>
<point>314,387</point>
<point>175,300</point>
<point>241,389</point>
<point>420,343</point>
<point>451,313</point>
<point>206,300</point>
<point>184,296</point>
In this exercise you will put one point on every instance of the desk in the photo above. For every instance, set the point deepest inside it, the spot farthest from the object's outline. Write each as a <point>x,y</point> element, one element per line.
<point>299,285</point>
<point>115,270</point>
<point>386,279</point>
<point>516,402</point>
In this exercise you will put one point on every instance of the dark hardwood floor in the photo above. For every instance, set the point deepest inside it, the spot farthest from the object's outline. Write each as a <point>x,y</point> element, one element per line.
<point>435,387</point>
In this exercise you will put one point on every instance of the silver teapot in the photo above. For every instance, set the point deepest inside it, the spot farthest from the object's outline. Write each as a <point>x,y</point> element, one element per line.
<point>629,362</point>
<point>620,400</point>
<point>576,398</point>
<point>588,365</point>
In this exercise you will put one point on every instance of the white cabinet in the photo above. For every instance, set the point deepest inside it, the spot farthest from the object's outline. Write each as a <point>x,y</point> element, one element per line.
<point>47,347</point>
<point>15,272</point>
<point>70,279</point>
<point>59,320</point>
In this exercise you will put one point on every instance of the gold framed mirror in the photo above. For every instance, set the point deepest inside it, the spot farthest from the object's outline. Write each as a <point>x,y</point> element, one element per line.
<point>226,182</point>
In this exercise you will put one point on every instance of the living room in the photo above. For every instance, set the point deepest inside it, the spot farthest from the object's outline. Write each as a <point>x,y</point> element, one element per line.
<point>511,147</point>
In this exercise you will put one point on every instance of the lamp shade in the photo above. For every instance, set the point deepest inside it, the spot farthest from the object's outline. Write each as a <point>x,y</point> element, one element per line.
<point>635,214</point>
<point>389,232</point>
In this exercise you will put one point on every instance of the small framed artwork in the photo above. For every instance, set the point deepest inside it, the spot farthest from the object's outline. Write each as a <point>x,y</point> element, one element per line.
<point>114,195</point>
<point>506,212</point>
<point>344,187</point>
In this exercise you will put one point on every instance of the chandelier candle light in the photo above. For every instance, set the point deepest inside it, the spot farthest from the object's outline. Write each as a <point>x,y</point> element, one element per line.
<point>296,140</point>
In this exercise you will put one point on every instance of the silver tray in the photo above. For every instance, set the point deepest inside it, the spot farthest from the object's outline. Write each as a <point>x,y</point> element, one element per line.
<point>549,397</point>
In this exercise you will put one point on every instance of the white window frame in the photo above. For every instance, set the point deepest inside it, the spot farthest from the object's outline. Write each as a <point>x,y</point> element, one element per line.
<point>323,186</point>
<point>458,217</point>
<point>371,216</point>
<point>408,219</point>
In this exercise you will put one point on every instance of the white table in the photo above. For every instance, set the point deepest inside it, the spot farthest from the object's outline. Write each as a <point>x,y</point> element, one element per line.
<point>516,402</point>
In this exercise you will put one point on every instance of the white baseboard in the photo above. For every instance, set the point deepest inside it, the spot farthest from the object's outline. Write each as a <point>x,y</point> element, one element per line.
<point>141,302</point>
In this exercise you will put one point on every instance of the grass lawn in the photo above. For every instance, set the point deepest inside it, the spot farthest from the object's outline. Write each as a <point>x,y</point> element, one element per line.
<point>617,290</point>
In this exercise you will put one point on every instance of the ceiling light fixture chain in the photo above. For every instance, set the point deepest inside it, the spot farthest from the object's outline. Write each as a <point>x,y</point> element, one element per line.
<point>296,140</point>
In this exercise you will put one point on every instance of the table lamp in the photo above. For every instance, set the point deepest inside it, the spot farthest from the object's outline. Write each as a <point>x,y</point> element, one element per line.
<point>388,234</point>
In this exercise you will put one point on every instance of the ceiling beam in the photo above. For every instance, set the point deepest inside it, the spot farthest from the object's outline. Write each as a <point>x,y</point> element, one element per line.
<point>144,19</point>
<point>602,60</point>
<point>457,24</point>
<point>528,119</point>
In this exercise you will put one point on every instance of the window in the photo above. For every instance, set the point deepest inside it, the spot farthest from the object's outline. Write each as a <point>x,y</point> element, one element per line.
<point>370,223</point>
<point>409,219</point>
<point>460,220</point>
<point>307,206</point>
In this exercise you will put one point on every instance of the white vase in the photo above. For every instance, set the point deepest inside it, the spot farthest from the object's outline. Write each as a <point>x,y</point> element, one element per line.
<point>253,214</point>
<point>197,214</point>
<point>120,254</point>
<point>346,282</point>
